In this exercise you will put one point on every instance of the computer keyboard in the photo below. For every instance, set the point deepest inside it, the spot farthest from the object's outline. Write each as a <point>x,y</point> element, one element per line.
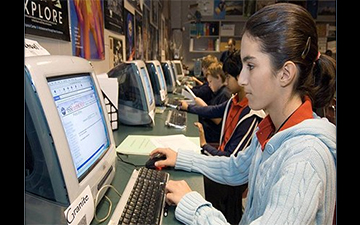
<point>178,90</point>
<point>176,118</point>
<point>143,199</point>
<point>173,103</point>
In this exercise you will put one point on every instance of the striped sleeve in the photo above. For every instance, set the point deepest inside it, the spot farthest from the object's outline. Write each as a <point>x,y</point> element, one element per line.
<point>247,130</point>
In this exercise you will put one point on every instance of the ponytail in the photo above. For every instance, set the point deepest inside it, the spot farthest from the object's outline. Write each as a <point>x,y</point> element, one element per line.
<point>324,87</point>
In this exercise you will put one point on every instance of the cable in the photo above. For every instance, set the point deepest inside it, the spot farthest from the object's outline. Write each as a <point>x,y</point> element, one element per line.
<point>129,163</point>
<point>108,199</point>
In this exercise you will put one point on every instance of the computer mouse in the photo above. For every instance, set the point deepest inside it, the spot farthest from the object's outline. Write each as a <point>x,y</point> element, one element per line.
<point>150,164</point>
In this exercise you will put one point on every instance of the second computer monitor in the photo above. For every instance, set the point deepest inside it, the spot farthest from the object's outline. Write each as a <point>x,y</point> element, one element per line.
<point>157,81</point>
<point>178,68</point>
<point>169,74</point>
<point>136,98</point>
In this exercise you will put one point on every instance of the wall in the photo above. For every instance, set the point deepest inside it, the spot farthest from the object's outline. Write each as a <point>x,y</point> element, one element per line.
<point>60,47</point>
<point>179,13</point>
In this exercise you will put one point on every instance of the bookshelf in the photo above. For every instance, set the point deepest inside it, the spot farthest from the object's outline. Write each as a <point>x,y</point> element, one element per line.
<point>210,35</point>
<point>204,37</point>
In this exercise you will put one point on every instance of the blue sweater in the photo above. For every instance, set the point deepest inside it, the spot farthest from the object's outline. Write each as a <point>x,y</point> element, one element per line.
<point>293,181</point>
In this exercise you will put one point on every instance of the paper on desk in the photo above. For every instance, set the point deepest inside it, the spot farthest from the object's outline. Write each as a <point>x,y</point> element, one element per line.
<point>186,94</point>
<point>175,142</point>
<point>144,144</point>
<point>190,91</point>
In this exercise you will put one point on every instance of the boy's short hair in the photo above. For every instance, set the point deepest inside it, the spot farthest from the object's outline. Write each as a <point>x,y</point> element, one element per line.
<point>207,60</point>
<point>216,69</point>
<point>232,68</point>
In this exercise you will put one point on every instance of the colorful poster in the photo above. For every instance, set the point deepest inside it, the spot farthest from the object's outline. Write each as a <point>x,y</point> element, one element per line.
<point>47,18</point>
<point>219,9</point>
<point>234,8</point>
<point>87,29</point>
<point>129,34</point>
<point>114,15</point>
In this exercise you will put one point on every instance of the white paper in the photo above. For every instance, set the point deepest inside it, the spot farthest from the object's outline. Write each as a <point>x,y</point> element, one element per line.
<point>162,95</point>
<point>175,142</point>
<point>144,144</point>
<point>190,91</point>
<point>110,87</point>
<point>81,211</point>
<point>33,48</point>
<point>188,95</point>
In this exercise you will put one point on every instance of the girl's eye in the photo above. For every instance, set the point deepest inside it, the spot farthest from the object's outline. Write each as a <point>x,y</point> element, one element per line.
<point>250,67</point>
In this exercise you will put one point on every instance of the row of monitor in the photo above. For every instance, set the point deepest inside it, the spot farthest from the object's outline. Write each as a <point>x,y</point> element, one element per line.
<point>69,145</point>
<point>143,86</point>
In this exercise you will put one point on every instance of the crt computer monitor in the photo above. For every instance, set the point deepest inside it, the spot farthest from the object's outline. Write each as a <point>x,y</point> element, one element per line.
<point>169,74</point>
<point>158,81</point>
<point>69,144</point>
<point>136,104</point>
<point>178,68</point>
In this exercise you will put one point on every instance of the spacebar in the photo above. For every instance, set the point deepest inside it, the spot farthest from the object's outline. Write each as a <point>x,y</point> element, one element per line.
<point>114,220</point>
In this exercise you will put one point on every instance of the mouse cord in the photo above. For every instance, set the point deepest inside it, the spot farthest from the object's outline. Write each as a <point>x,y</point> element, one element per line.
<point>108,199</point>
<point>122,160</point>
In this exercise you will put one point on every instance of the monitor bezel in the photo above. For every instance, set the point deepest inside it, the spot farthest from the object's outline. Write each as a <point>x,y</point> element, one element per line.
<point>140,64</point>
<point>181,74</point>
<point>41,69</point>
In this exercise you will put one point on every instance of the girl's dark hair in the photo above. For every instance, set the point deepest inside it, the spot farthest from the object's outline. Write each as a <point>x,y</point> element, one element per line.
<point>287,32</point>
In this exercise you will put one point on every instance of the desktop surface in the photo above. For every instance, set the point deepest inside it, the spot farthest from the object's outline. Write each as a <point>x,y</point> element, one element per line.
<point>127,163</point>
<point>159,129</point>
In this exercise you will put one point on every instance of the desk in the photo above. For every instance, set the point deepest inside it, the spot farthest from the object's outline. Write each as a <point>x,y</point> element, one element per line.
<point>159,129</point>
<point>123,170</point>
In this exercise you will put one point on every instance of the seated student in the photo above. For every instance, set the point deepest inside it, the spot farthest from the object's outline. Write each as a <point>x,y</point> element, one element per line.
<point>217,83</point>
<point>291,162</point>
<point>238,125</point>
<point>205,63</point>
<point>202,89</point>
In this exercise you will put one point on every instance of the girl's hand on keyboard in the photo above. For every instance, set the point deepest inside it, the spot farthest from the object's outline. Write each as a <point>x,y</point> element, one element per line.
<point>170,154</point>
<point>175,190</point>
<point>184,105</point>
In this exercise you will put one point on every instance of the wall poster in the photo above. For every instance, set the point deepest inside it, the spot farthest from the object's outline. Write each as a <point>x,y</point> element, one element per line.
<point>87,29</point>
<point>116,50</point>
<point>139,52</point>
<point>47,19</point>
<point>114,15</point>
<point>154,13</point>
<point>129,34</point>
<point>137,4</point>
<point>146,33</point>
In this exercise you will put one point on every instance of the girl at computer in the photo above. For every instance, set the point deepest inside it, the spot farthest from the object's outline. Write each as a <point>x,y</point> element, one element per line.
<point>238,125</point>
<point>290,165</point>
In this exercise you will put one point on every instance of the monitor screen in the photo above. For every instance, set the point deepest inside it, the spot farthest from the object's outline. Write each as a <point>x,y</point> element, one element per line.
<point>162,81</point>
<point>147,85</point>
<point>80,111</point>
<point>178,69</point>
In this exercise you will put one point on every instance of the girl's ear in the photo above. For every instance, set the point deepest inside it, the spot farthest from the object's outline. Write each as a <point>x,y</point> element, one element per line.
<point>287,73</point>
